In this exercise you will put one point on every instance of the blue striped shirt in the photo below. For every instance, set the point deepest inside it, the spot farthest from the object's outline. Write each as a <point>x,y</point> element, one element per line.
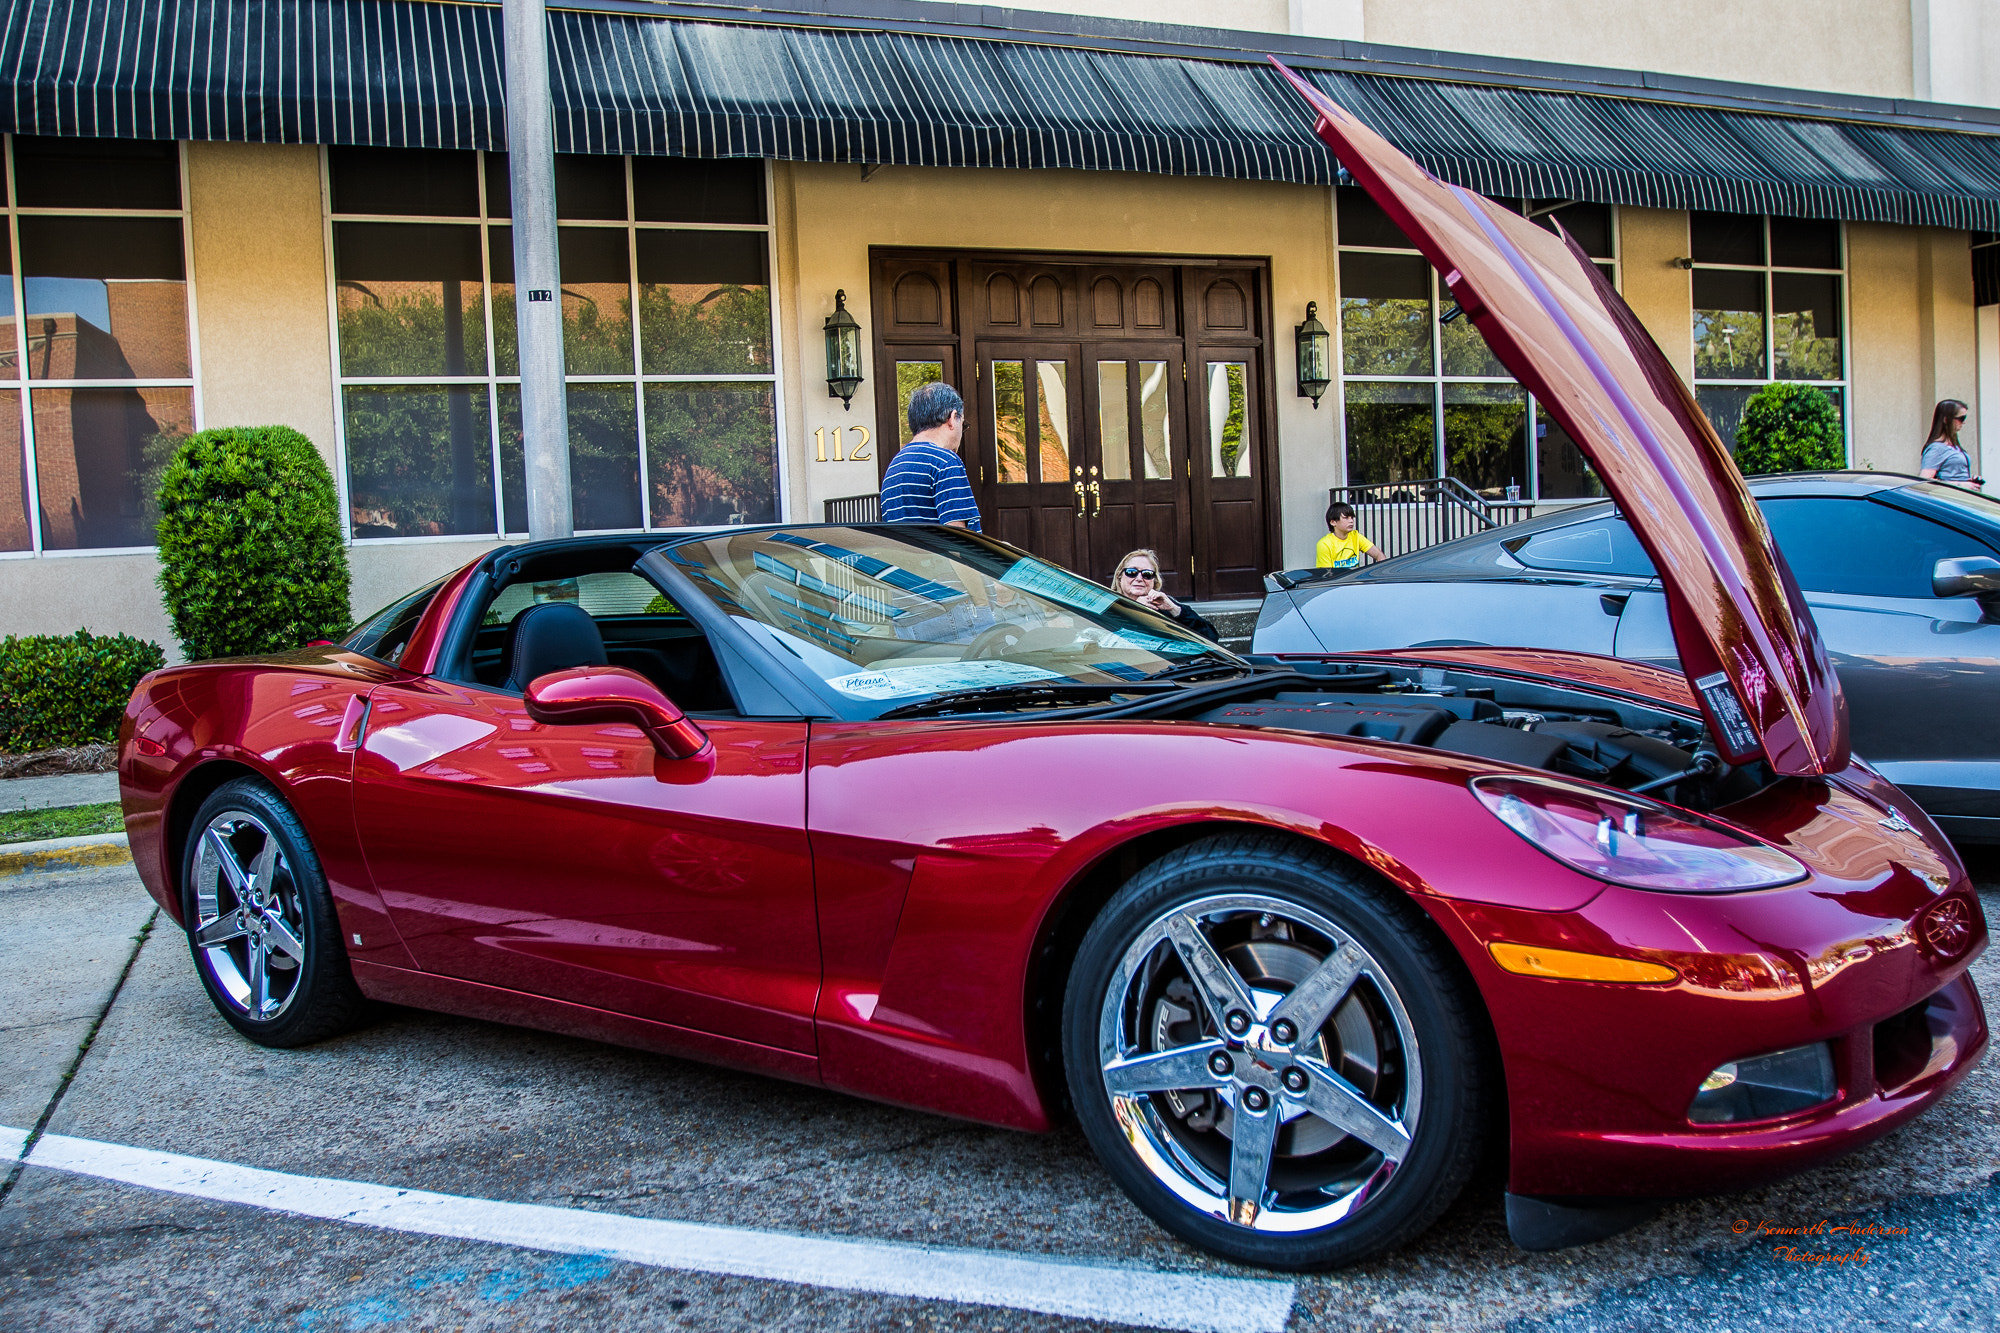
<point>926,483</point>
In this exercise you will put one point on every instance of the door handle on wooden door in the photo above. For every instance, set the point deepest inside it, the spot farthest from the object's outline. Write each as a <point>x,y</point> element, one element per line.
<point>1097,498</point>
<point>1079,499</point>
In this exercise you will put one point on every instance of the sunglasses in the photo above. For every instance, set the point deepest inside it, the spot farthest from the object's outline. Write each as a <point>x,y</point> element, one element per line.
<point>1959,417</point>
<point>1132,573</point>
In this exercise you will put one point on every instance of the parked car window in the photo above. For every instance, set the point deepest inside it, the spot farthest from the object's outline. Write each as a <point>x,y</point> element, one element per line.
<point>1601,546</point>
<point>384,635</point>
<point>1861,548</point>
<point>1955,502</point>
<point>615,593</point>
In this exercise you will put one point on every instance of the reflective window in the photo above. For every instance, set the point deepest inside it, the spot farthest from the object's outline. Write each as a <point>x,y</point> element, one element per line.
<point>1228,419</point>
<point>1424,396</point>
<point>384,635</point>
<point>1010,419</point>
<point>1602,546</point>
<point>96,366</point>
<point>667,340</point>
<point>1769,297</point>
<point>1858,547</point>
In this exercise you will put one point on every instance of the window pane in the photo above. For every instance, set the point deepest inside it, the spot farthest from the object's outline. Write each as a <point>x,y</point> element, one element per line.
<point>500,263</point>
<point>1724,409</point>
<point>1726,238</point>
<point>1390,433</point>
<point>405,182</point>
<point>1154,420</point>
<point>596,300</point>
<point>1228,419</point>
<point>913,375</point>
<point>1114,420</point>
<point>1728,325</point>
<point>712,453</point>
<point>14,534</point>
<point>1465,350</point>
<point>1589,225</point>
<point>111,298</point>
<point>1562,472</point>
<point>1805,326</point>
<point>1052,418</point>
<point>99,454</point>
<point>1600,546</point>
<point>409,299</point>
<point>1385,314</point>
<point>603,456</point>
<point>1010,419</point>
<point>1485,436</point>
<point>679,189</point>
<point>704,303</point>
<point>419,461</point>
<point>590,187</point>
<point>10,355</point>
<point>1805,243</point>
<point>1862,548</point>
<point>96,173</point>
<point>1362,221</point>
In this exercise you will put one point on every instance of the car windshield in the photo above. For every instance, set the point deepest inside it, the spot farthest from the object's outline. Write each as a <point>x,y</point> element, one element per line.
<point>888,617</point>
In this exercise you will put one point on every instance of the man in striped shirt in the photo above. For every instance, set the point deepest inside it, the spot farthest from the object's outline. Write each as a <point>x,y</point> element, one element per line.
<point>926,482</point>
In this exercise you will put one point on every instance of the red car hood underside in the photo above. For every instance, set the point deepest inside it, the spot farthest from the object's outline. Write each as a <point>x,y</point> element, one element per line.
<point>1752,653</point>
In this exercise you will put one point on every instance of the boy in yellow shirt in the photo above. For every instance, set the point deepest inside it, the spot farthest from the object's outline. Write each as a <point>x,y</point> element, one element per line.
<point>1343,547</point>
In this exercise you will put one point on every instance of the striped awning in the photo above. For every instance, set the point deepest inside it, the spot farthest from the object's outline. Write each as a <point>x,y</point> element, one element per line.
<point>405,73</point>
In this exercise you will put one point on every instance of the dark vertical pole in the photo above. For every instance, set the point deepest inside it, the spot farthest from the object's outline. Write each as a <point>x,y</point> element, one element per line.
<point>537,278</point>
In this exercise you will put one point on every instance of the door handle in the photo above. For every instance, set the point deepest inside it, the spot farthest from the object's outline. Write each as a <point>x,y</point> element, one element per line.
<point>1613,603</point>
<point>1079,499</point>
<point>1097,496</point>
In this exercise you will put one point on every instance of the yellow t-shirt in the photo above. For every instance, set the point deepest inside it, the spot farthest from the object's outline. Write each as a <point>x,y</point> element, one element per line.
<point>1341,552</point>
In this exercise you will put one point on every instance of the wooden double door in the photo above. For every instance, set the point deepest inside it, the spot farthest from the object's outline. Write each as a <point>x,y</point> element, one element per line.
<point>1111,405</point>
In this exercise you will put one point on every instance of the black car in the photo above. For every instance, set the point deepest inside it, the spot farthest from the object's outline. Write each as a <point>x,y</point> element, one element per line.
<point>1902,574</point>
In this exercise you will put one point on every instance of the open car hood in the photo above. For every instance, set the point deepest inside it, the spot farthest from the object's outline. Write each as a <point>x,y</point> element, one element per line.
<point>1752,653</point>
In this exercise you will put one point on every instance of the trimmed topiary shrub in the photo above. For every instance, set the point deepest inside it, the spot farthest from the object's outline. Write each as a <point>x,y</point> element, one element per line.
<point>68,689</point>
<point>1789,428</point>
<point>251,559</point>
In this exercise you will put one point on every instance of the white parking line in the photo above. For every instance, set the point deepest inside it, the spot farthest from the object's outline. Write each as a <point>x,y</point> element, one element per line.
<point>1113,1293</point>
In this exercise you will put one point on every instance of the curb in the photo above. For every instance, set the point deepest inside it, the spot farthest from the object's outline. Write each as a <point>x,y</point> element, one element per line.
<point>92,849</point>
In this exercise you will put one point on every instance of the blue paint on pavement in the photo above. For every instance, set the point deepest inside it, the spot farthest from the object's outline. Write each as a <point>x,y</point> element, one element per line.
<point>502,1285</point>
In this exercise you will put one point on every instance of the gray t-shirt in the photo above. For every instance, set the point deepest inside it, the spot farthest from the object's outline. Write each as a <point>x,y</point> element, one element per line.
<point>1951,461</point>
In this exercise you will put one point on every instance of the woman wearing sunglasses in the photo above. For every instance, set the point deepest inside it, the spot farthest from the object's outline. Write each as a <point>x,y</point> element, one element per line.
<point>1137,575</point>
<point>1945,458</point>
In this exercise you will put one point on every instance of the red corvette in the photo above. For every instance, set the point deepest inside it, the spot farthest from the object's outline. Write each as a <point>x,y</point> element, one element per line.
<point>906,812</point>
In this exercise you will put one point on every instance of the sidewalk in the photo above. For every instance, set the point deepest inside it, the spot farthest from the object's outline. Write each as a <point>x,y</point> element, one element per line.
<point>62,789</point>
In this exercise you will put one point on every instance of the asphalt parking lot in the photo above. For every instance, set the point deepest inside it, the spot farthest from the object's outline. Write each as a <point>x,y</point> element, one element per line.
<point>420,1102</point>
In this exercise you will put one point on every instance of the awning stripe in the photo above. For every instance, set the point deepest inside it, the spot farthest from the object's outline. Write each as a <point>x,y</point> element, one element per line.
<point>415,74</point>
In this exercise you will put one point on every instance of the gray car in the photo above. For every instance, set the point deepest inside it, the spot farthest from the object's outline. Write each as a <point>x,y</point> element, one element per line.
<point>1902,574</point>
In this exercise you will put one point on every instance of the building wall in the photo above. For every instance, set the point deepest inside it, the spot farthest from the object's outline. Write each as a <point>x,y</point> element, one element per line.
<point>1659,291</point>
<point>828,217</point>
<point>1913,337</point>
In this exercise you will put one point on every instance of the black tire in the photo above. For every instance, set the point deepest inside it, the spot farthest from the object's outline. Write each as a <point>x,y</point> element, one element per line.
<point>282,912</point>
<point>1275,912</point>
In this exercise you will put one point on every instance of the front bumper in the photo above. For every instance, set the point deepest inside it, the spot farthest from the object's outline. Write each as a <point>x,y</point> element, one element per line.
<point>1600,1076</point>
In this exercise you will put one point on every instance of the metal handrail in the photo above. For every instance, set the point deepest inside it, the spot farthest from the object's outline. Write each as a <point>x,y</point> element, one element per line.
<point>1404,516</point>
<point>854,509</point>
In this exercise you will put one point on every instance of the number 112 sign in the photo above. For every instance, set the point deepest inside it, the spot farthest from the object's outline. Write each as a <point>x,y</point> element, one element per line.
<point>858,454</point>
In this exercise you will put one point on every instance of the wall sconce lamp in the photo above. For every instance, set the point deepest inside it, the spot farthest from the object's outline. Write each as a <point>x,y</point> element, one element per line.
<point>1315,355</point>
<point>843,353</point>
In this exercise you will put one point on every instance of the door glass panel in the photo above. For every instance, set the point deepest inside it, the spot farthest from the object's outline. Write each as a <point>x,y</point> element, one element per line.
<point>1010,420</point>
<point>1052,408</point>
<point>1114,430</point>
<point>1154,421</point>
<point>1228,405</point>
<point>914,375</point>
<point>1486,437</point>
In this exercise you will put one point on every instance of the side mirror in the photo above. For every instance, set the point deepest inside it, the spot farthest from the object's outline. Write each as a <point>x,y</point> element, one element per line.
<point>613,694</point>
<point>1970,574</point>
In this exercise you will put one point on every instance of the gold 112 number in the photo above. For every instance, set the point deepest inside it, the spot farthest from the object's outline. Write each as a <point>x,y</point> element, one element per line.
<point>858,454</point>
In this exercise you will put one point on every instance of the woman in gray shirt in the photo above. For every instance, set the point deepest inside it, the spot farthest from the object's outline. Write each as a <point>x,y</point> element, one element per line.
<point>1945,459</point>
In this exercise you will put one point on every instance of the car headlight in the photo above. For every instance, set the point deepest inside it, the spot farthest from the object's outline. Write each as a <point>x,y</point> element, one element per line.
<point>1629,840</point>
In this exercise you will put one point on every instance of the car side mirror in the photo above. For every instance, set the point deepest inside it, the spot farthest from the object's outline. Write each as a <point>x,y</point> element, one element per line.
<point>1966,575</point>
<point>613,694</point>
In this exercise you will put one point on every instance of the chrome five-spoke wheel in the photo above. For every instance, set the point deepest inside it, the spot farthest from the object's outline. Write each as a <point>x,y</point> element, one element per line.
<point>1274,1053</point>
<point>260,921</point>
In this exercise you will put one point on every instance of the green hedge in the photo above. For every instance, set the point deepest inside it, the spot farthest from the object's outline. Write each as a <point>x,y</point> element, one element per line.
<point>251,559</point>
<point>1789,428</point>
<point>68,689</point>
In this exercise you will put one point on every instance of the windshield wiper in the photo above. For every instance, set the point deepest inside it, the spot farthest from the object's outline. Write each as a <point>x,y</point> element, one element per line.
<point>990,697</point>
<point>1201,664</point>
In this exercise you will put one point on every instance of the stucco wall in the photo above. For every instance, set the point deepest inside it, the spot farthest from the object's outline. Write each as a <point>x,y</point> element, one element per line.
<point>828,218</point>
<point>1659,291</point>
<point>1912,326</point>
